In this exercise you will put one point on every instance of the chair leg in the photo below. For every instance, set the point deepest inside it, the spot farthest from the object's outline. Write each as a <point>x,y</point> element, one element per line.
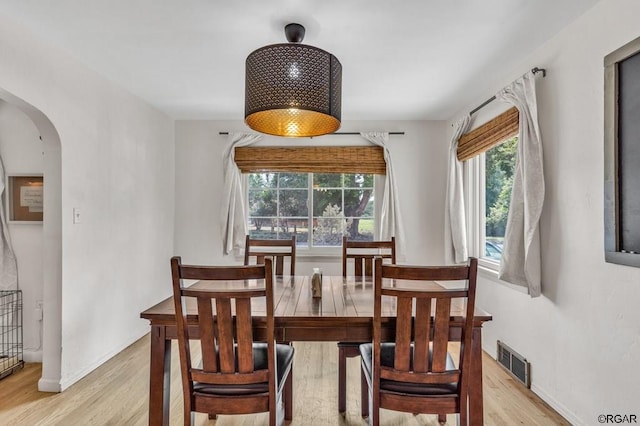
<point>273,416</point>
<point>342,380</point>
<point>442,419</point>
<point>462,416</point>
<point>212,416</point>
<point>364,394</point>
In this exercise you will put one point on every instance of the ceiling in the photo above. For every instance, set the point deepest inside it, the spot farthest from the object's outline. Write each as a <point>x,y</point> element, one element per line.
<point>402,60</point>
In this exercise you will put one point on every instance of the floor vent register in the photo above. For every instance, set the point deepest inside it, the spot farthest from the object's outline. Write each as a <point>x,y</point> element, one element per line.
<point>515,364</point>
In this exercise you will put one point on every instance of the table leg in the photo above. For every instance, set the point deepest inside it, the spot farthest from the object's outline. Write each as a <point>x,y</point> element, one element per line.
<point>159,377</point>
<point>342,380</point>
<point>476,414</point>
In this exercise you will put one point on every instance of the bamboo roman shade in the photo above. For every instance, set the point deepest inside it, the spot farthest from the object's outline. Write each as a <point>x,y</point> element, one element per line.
<point>311,159</point>
<point>489,134</point>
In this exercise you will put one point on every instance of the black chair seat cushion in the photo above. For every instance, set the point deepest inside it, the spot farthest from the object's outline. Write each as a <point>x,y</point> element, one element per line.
<point>387,357</point>
<point>284,360</point>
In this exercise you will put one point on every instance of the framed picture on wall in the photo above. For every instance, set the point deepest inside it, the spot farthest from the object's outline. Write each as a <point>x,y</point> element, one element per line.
<point>622,155</point>
<point>24,198</point>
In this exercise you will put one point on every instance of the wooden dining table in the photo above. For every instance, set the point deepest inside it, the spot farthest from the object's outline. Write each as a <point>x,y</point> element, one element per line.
<point>343,313</point>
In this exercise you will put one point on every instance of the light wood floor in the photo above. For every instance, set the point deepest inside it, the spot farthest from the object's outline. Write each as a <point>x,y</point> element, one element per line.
<point>116,394</point>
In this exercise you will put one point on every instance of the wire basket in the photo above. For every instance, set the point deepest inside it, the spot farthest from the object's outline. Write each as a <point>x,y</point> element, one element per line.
<point>10,332</point>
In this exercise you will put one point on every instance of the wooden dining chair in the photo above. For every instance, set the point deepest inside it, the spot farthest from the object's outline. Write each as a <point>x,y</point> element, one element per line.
<point>237,374</point>
<point>361,254</point>
<point>277,250</point>
<point>416,373</point>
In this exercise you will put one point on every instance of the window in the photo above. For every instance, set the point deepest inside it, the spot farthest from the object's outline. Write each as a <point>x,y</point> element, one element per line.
<point>499,163</point>
<point>319,208</point>
<point>489,153</point>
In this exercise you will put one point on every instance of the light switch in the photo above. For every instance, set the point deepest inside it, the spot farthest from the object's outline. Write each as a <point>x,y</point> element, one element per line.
<point>76,216</point>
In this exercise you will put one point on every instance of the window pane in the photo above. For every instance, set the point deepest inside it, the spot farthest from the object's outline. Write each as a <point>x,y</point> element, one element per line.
<point>368,211</point>
<point>290,226</point>
<point>360,229</point>
<point>499,166</point>
<point>263,202</point>
<point>358,180</point>
<point>356,201</point>
<point>328,231</point>
<point>327,180</point>
<point>263,180</point>
<point>293,202</point>
<point>294,180</point>
<point>324,199</point>
<point>263,228</point>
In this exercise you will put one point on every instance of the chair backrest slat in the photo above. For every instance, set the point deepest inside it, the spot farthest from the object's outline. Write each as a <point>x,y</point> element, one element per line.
<point>357,266</point>
<point>224,320</point>
<point>364,252</point>
<point>368,266</point>
<point>207,339</point>
<point>422,333</point>
<point>441,334</point>
<point>277,250</point>
<point>245,335</point>
<point>403,334</point>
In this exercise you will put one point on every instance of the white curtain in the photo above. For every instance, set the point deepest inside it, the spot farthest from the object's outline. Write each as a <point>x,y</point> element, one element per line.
<point>520,263</point>
<point>390,221</point>
<point>455,226</point>
<point>8,264</point>
<point>234,219</point>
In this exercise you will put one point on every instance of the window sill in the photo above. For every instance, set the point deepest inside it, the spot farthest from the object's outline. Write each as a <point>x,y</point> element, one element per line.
<point>490,270</point>
<point>488,266</point>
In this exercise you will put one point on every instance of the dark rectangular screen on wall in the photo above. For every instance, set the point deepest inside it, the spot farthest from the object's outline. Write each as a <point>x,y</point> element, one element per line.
<point>629,153</point>
<point>622,155</point>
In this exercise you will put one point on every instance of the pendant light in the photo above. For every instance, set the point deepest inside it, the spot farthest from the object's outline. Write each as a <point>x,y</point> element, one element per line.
<point>293,89</point>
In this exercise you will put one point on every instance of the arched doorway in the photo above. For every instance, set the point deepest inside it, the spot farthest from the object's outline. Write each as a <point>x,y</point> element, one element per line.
<point>52,244</point>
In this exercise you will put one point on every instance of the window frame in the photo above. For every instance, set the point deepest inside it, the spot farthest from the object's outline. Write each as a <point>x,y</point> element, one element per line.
<point>309,250</point>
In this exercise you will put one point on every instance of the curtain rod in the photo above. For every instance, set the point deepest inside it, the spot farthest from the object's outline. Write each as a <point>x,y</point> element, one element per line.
<point>493,98</point>
<point>334,133</point>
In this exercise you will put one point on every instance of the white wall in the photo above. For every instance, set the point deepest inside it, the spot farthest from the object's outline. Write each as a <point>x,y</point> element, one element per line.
<point>582,336</point>
<point>117,162</point>
<point>418,166</point>
<point>22,153</point>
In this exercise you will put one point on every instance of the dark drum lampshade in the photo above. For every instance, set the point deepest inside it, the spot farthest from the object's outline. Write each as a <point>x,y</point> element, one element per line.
<point>292,89</point>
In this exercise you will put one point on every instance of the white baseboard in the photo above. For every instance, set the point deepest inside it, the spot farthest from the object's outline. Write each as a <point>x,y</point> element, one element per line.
<point>49,386</point>
<point>560,408</point>
<point>65,382</point>
<point>32,356</point>
<point>556,405</point>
